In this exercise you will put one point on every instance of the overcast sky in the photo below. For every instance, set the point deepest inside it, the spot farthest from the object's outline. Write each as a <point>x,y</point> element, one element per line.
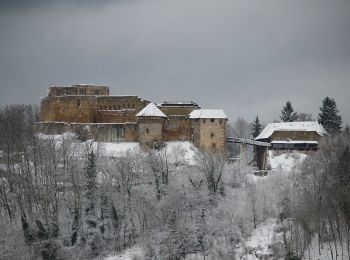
<point>248,57</point>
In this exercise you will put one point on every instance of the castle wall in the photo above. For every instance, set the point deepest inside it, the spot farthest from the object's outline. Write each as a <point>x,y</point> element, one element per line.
<point>77,109</point>
<point>79,90</point>
<point>177,128</point>
<point>150,130</point>
<point>212,134</point>
<point>98,132</point>
<point>119,109</point>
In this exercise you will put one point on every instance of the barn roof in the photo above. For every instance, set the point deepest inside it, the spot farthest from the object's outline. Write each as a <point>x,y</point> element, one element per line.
<point>208,113</point>
<point>307,126</point>
<point>151,111</point>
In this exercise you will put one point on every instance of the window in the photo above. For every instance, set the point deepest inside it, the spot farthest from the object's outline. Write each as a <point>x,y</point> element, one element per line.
<point>78,102</point>
<point>213,145</point>
<point>115,108</point>
<point>118,107</point>
<point>211,135</point>
<point>147,131</point>
<point>96,92</point>
<point>220,121</point>
<point>133,106</point>
<point>109,108</point>
<point>212,120</point>
<point>203,121</point>
<point>81,91</point>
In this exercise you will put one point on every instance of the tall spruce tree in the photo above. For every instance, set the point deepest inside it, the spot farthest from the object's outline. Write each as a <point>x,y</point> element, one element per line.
<point>92,235</point>
<point>256,127</point>
<point>288,114</point>
<point>329,117</point>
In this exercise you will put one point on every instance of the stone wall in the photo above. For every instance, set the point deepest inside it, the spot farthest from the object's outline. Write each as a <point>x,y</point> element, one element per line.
<point>91,109</point>
<point>78,90</point>
<point>150,130</point>
<point>98,132</point>
<point>177,128</point>
<point>212,134</point>
<point>209,134</point>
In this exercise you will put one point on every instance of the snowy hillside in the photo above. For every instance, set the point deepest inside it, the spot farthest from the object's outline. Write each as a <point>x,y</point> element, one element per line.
<point>285,161</point>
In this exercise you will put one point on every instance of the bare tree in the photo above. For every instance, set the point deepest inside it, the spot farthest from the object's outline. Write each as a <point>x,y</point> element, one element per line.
<point>212,164</point>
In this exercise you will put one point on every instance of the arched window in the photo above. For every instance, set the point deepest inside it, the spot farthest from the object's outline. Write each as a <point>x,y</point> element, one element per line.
<point>115,108</point>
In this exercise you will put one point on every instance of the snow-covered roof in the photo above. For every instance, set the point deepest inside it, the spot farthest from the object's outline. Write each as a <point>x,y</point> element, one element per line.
<point>152,111</point>
<point>208,113</point>
<point>307,126</point>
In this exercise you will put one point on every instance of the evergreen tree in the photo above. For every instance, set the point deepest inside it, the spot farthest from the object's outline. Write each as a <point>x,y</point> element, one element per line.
<point>92,237</point>
<point>201,232</point>
<point>329,117</point>
<point>177,243</point>
<point>288,114</point>
<point>256,127</point>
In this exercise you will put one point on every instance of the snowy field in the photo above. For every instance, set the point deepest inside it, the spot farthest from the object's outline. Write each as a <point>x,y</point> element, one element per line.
<point>129,254</point>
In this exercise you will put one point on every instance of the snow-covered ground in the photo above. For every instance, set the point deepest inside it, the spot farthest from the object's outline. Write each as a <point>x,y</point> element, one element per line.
<point>286,161</point>
<point>179,152</point>
<point>128,254</point>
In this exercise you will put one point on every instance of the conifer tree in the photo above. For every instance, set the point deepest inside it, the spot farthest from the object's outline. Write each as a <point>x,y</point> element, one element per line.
<point>92,236</point>
<point>288,114</point>
<point>256,127</point>
<point>329,117</point>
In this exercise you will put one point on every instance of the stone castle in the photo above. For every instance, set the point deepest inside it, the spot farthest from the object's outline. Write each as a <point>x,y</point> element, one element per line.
<point>130,118</point>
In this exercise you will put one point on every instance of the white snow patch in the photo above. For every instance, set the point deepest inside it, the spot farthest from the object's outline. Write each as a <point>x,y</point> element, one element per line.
<point>181,152</point>
<point>128,254</point>
<point>117,149</point>
<point>262,237</point>
<point>286,161</point>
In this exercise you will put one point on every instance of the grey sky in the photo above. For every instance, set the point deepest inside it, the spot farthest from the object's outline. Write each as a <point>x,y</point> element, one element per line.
<point>248,57</point>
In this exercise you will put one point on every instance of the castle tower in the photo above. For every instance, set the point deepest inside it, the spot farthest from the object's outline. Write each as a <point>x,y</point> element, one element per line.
<point>151,122</point>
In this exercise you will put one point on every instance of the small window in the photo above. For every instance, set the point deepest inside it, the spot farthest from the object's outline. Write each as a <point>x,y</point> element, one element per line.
<point>78,102</point>
<point>81,91</point>
<point>118,107</point>
<point>115,108</point>
<point>211,135</point>
<point>109,108</point>
<point>220,121</point>
<point>213,145</point>
<point>212,120</point>
<point>133,106</point>
<point>96,92</point>
<point>203,121</point>
<point>147,131</point>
